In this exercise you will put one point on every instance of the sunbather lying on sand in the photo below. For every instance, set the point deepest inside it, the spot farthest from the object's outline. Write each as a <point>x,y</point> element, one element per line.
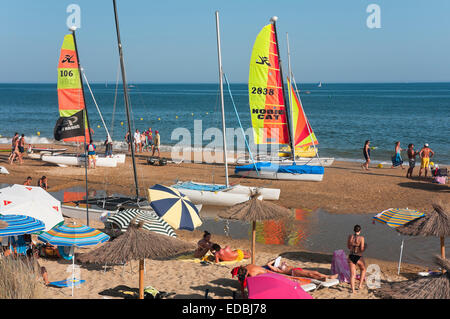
<point>285,269</point>
<point>226,254</point>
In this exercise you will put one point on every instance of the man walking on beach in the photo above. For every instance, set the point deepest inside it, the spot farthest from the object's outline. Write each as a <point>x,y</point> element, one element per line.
<point>425,154</point>
<point>157,143</point>
<point>128,140</point>
<point>412,159</point>
<point>13,154</point>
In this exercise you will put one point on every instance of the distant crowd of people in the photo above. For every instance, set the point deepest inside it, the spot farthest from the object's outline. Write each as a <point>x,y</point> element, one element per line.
<point>145,141</point>
<point>425,154</point>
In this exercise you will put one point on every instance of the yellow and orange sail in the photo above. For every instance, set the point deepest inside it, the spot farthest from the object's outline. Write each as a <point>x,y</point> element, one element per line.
<point>303,134</point>
<point>266,98</point>
<point>70,93</point>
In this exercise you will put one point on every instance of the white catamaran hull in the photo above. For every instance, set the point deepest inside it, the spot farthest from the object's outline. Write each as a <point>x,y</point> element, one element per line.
<point>282,176</point>
<point>314,161</point>
<point>228,197</point>
<point>74,160</point>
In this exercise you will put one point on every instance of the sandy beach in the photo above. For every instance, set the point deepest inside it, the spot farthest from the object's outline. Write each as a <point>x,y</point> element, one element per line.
<point>346,188</point>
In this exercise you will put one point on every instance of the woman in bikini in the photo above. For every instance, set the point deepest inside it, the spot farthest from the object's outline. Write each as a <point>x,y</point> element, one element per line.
<point>285,269</point>
<point>226,254</point>
<point>366,153</point>
<point>357,245</point>
<point>204,245</point>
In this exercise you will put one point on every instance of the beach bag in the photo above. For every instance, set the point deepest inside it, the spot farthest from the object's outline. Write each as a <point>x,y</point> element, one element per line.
<point>440,179</point>
<point>339,265</point>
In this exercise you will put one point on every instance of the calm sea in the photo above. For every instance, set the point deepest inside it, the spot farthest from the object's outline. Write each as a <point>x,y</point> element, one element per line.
<point>343,116</point>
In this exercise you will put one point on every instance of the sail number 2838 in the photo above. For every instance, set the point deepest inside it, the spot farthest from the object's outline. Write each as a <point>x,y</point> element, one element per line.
<point>265,91</point>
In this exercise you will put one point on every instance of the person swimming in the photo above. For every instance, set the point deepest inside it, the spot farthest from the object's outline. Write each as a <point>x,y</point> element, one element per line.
<point>226,254</point>
<point>204,245</point>
<point>356,244</point>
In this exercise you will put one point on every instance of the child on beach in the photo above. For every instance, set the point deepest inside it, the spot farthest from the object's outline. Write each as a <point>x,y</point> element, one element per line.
<point>412,159</point>
<point>108,147</point>
<point>28,181</point>
<point>43,183</point>
<point>366,153</point>
<point>397,158</point>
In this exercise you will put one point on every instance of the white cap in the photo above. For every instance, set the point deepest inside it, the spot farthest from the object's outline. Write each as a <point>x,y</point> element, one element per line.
<point>426,145</point>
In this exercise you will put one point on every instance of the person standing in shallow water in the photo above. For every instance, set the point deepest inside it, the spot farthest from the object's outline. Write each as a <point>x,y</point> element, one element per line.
<point>397,158</point>
<point>357,245</point>
<point>366,153</point>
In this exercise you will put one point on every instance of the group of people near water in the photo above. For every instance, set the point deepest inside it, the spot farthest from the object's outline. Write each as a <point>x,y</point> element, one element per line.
<point>145,141</point>
<point>17,148</point>
<point>355,243</point>
<point>425,154</point>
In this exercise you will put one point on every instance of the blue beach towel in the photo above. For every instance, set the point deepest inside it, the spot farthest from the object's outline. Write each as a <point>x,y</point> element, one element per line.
<point>397,160</point>
<point>66,283</point>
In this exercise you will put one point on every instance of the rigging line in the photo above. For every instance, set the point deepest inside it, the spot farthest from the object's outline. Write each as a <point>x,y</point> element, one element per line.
<point>115,99</point>
<point>95,102</point>
<point>239,120</point>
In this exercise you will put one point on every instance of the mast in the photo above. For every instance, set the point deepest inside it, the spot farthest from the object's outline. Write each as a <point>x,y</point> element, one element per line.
<point>273,20</point>
<point>89,128</point>
<point>291,127</point>
<point>219,56</point>
<point>125,95</point>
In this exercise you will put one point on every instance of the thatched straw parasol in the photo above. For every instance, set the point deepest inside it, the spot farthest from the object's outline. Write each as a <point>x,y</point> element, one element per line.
<point>436,223</point>
<point>255,210</point>
<point>433,287</point>
<point>136,244</point>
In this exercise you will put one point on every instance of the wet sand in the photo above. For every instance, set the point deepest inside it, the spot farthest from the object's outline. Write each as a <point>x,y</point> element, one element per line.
<point>346,188</point>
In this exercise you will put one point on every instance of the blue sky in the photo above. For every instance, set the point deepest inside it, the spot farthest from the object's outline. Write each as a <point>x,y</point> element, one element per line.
<point>174,40</point>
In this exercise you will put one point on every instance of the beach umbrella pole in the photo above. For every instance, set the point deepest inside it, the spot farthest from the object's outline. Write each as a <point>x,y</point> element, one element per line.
<point>253,241</point>
<point>443,247</point>
<point>73,266</point>
<point>400,259</point>
<point>141,279</point>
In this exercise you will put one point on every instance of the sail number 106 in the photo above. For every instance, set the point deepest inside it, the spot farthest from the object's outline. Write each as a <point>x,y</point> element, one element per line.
<point>66,73</point>
<point>264,91</point>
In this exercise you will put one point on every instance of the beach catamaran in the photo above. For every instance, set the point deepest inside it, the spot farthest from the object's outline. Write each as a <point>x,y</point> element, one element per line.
<point>217,194</point>
<point>270,117</point>
<point>300,132</point>
<point>72,106</point>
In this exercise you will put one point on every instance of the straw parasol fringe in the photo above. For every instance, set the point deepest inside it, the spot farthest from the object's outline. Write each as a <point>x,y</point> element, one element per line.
<point>436,223</point>
<point>434,287</point>
<point>255,210</point>
<point>136,244</point>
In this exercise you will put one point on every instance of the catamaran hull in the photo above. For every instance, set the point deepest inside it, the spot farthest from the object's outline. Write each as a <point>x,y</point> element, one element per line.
<point>228,197</point>
<point>323,161</point>
<point>65,160</point>
<point>282,176</point>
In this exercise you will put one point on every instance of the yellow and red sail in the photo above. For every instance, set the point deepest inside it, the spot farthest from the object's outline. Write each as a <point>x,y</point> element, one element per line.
<point>70,93</point>
<point>266,98</point>
<point>303,134</point>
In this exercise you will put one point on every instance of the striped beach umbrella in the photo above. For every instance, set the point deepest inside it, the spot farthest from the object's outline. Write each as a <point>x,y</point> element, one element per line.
<point>395,217</point>
<point>151,221</point>
<point>174,207</point>
<point>77,235</point>
<point>15,225</point>
<point>73,235</point>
